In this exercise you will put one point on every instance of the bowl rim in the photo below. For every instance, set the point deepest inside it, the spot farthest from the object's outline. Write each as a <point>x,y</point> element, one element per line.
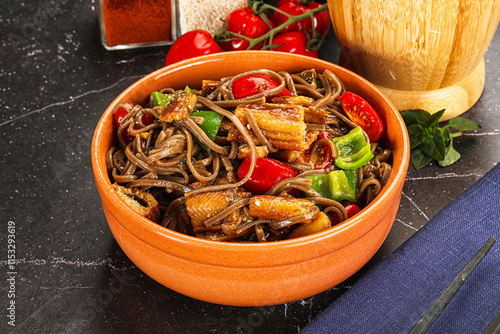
<point>102,179</point>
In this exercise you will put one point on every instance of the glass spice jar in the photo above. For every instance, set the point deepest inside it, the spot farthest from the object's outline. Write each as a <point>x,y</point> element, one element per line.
<point>127,24</point>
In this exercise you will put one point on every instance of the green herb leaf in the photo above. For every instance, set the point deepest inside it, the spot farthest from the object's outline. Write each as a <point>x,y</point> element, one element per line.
<point>463,124</point>
<point>412,117</point>
<point>451,156</point>
<point>433,120</point>
<point>430,142</point>
<point>415,132</point>
<point>434,146</point>
<point>419,159</point>
<point>446,136</point>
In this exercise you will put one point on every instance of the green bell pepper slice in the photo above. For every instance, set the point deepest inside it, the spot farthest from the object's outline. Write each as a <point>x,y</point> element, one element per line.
<point>161,99</point>
<point>210,125</point>
<point>352,149</point>
<point>211,122</point>
<point>337,185</point>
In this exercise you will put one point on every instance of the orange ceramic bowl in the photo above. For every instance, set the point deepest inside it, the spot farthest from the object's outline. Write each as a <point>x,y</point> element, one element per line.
<point>251,274</point>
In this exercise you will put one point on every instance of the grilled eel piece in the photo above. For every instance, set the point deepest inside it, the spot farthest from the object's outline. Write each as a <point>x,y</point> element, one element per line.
<point>140,201</point>
<point>203,206</point>
<point>179,108</point>
<point>283,125</point>
<point>275,207</point>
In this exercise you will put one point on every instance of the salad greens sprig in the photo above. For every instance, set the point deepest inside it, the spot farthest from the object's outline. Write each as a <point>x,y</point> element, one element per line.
<point>430,142</point>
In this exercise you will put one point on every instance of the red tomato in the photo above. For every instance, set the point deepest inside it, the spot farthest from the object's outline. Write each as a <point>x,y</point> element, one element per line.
<point>295,7</point>
<point>266,174</point>
<point>363,114</point>
<point>255,83</point>
<point>244,22</point>
<point>325,157</point>
<point>351,210</point>
<point>192,44</point>
<point>122,112</point>
<point>294,42</point>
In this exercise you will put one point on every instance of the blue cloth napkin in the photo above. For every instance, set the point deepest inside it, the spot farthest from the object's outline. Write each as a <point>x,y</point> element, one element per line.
<point>392,296</point>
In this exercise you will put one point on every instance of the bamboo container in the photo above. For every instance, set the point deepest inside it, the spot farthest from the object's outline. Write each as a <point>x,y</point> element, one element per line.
<point>423,54</point>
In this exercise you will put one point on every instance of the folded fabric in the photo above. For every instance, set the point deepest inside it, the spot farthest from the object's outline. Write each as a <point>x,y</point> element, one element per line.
<point>392,296</point>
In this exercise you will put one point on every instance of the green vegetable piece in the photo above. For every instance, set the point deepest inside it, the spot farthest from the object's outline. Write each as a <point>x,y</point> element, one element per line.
<point>161,99</point>
<point>337,185</point>
<point>433,120</point>
<point>210,125</point>
<point>462,124</point>
<point>419,159</point>
<point>430,142</point>
<point>353,150</point>
<point>188,90</point>
<point>451,156</point>
<point>433,144</point>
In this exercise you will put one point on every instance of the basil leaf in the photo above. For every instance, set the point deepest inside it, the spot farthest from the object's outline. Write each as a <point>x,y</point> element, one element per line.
<point>433,120</point>
<point>419,159</point>
<point>424,115</point>
<point>446,136</point>
<point>430,142</point>
<point>434,147</point>
<point>415,132</point>
<point>462,124</point>
<point>451,156</point>
<point>412,117</point>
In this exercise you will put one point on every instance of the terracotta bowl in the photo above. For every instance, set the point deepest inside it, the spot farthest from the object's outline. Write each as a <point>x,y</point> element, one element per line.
<point>251,274</point>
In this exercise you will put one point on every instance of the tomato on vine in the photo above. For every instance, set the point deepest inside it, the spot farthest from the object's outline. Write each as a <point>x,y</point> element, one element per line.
<point>294,42</point>
<point>191,44</point>
<point>243,22</point>
<point>251,28</point>
<point>297,7</point>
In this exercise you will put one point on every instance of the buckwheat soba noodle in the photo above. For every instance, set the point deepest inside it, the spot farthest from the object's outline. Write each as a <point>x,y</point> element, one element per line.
<point>259,156</point>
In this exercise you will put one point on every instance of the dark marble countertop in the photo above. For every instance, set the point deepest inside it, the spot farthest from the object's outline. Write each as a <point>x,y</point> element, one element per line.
<point>70,276</point>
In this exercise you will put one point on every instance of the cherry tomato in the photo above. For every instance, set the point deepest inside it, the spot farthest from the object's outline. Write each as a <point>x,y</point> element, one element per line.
<point>294,42</point>
<point>351,210</point>
<point>192,44</point>
<point>363,114</point>
<point>295,7</point>
<point>244,22</point>
<point>121,113</point>
<point>266,174</point>
<point>255,83</point>
<point>325,157</point>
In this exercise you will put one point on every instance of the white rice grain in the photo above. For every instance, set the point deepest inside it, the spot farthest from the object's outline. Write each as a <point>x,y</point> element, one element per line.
<point>205,14</point>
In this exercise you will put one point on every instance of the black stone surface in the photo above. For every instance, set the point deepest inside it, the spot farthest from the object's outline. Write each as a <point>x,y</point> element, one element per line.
<point>69,274</point>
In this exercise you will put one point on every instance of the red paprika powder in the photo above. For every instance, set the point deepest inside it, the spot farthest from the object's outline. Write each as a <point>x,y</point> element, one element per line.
<point>135,21</point>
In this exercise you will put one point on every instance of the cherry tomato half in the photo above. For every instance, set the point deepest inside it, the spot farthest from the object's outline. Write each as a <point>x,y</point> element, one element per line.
<point>324,154</point>
<point>363,114</point>
<point>192,44</point>
<point>244,22</point>
<point>266,174</point>
<point>351,210</point>
<point>255,83</point>
<point>121,113</point>
<point>294,42</point>
<point>295,7</point>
